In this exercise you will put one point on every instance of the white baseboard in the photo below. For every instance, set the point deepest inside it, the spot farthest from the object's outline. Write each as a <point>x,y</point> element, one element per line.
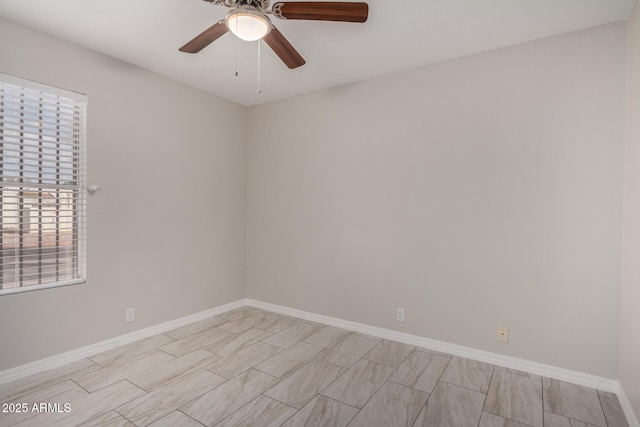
<point>80,353</point>
<point>575,377</point>
<point>600,383</point>
<point>628,410</point>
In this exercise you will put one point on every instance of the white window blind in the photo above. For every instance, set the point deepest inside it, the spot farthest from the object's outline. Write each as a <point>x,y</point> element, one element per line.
<point>42,186</point>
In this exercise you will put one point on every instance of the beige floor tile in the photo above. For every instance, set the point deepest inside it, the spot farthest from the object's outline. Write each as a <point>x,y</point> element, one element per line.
<point>221,402</point>
<point>389,353</point>
<point>234,343</point>
<point>300,387</point>
<point>64,392</point>
<point>516,397</point>
<point>435,352</point>
<point>176,419</point>
<point>327,337</point>
<point>420,371</point>
<point>237,313</point>
<point>242,324</point>
<point>576,423</point>
<point>108,419</point>
<point>243,360</point>
<point>153,378</point>
<point>264,314</point>
<point>130,350</point>
<point>606,393</point>
<point>371,337</point>
<point>348,351</point>
<point>193,328</point>
<point>573,401</point>
<point>359,383</point>
<point>230,370</point>
<point>274,323</point>
<point>290,360</point>
<point>322,411</point>
<point>121,369</point>
<point>490,420</point>
<point>392,405</point>
<point>468,373</point>
<point>261,411</point>
<point>292,335</point>
<point>452,405</point>
<point>520,373</point>
<point>12,391</point>
<point>553,420</point>
<point>164,400</point>
<point>85,408</point>
<point>613,411</point>
<point>195,341</point>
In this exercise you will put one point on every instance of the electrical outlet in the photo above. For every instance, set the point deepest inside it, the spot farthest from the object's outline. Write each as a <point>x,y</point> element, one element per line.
<point>130,315</point>
<point>400,315</point>
<point>503,334</point>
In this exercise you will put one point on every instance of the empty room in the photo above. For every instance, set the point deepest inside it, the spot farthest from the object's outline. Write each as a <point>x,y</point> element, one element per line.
<point>306,213</point>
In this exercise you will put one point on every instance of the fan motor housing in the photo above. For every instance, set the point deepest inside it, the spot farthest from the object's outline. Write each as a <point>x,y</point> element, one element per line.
<point>262,5</point>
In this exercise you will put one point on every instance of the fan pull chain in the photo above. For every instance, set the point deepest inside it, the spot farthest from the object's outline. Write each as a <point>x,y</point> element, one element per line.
<point>236,46</point>
<point>237,58</point>
<point>259,88</point>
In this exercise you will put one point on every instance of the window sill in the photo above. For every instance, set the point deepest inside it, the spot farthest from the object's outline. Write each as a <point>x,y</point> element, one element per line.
<point>31,288</point>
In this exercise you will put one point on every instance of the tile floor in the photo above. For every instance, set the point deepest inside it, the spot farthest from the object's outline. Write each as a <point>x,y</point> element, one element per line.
<point>249,367</point>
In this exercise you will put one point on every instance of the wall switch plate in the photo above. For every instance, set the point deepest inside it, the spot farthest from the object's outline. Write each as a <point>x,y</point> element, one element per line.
<point>503,334</point>
<point>400,315</point>
<point>130,315</point>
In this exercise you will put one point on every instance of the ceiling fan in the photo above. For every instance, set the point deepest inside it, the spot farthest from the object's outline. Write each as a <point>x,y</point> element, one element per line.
<point>249,20</point>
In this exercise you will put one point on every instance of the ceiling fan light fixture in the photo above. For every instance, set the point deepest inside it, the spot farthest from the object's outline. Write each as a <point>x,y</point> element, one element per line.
<point>248,23</point>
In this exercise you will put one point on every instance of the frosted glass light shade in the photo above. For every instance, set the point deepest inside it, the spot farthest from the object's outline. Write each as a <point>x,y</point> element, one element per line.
<point>248,23</point>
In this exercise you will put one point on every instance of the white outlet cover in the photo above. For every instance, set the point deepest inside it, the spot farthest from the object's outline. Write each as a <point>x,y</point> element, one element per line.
<point>503,334</point>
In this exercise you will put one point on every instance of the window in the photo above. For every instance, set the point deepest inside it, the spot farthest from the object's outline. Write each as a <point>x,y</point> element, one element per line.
<point>42,186</point>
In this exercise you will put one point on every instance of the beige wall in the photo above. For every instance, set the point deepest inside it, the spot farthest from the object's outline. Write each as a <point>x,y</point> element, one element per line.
<point>630,298</point>
<point>476,193</point>
<point>166,229</point>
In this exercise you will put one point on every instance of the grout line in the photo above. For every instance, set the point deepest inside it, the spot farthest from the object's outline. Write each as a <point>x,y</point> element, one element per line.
<point>278,400</point>
<point>434,387</point>
<point>461,386</point>
<point>186,415</point>
<point>604,413</point>
<point>116,411</point>
<point>74,381</point>
<point>422,408</point>
<point>484,402</point>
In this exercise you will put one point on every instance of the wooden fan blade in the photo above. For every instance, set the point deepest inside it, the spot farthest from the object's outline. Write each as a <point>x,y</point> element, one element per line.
<point>205,38</point>
<point>322,11</point>
<point>281,46</point>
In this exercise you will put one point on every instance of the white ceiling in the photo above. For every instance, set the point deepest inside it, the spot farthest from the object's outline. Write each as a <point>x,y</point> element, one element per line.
<point>397,36</point>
